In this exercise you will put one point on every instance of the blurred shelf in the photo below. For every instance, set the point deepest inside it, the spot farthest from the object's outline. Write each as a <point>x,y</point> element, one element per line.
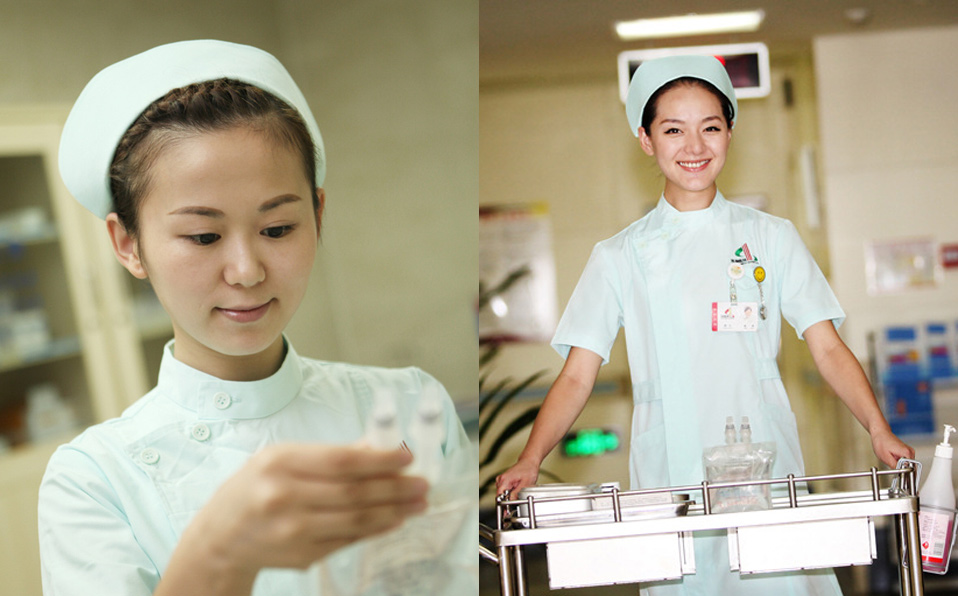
<point>58,349</point>
<point>151,319</point>
<point>48,234</point>
<point>29,457</point>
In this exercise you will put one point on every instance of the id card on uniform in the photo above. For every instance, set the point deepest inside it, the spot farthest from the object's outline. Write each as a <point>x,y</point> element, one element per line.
<point>734,316</point>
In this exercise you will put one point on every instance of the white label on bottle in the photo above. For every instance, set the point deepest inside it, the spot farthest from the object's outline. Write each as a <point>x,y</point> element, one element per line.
<point>935,530</point>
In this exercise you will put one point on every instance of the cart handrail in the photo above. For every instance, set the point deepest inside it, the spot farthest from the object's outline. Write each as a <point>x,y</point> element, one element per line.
<point>905,484</point>
<point>487,533</point>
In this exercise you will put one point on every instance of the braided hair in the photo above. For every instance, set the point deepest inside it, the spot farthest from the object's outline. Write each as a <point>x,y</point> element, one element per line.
<point>201,107</point>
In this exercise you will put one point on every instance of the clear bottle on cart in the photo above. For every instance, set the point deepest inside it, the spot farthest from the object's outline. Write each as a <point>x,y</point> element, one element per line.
<point>936,516</point>
<point>745,431</point>
<point>730,437</point>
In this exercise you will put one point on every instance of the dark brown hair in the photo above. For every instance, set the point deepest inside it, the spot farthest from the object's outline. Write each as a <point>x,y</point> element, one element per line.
<point>201,107</point>
<point>648,115</point>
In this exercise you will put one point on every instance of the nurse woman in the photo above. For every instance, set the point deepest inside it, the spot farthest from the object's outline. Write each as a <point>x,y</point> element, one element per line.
<point>679,281</point>
<point>244,465</point>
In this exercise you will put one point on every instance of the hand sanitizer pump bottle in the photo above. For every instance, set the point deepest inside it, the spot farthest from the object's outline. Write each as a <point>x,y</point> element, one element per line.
<point>936,516</point>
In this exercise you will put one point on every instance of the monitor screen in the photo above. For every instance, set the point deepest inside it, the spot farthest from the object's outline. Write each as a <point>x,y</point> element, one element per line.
<point>746,63</point>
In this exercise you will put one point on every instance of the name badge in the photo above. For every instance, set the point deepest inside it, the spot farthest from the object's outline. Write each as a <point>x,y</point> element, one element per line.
<point>734,316</point>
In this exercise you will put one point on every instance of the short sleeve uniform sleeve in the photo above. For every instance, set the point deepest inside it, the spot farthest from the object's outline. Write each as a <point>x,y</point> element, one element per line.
<point>83,526</point>
<point>594,314</point>
<point>806,297</point>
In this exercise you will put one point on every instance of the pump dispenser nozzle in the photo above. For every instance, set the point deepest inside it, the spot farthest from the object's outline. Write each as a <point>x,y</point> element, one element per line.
<point>949,429</point>
<point>944,449</point>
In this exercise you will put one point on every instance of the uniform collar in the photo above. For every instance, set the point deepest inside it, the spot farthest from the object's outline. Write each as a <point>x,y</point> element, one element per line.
<point>667,216</point>
<point>213,398</point>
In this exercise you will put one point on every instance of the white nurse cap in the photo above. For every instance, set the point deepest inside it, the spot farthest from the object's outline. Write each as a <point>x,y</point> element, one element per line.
<point>118,94</point>
<point>653,74</point>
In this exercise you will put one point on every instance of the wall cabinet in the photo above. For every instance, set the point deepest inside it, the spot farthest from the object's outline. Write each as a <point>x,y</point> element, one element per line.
<point>73,325</point>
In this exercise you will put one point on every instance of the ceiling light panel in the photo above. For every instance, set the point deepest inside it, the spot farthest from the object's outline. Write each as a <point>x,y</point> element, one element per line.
<point>692,24</point>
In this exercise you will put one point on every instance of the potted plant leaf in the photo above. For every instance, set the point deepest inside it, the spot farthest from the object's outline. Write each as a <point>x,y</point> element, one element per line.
<point>494,397</point>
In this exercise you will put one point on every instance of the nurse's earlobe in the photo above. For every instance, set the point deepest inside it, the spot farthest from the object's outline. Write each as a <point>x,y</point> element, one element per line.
<point>646,142</point>
<point>320,208</point>
<point>125,247</point>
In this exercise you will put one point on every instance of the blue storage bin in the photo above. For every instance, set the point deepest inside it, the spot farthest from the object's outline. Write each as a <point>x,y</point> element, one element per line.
<point>908,406</point>
<point>900,357</point>
<point>938,351</point>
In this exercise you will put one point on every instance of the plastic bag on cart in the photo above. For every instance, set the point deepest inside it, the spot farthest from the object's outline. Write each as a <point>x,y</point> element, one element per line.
<point>433,553</point>
<point>739,462</point>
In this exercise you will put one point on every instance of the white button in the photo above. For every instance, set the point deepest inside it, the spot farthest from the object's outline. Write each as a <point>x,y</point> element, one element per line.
<point>149,456</point>
<point>201,432</point>
<point>222,400</point>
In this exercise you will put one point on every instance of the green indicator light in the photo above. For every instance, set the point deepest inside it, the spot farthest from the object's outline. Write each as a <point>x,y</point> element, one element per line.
<point>590,442</point>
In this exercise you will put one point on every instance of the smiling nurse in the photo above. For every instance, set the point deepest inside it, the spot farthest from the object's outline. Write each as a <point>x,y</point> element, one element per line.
<point>242,466</point>
<point>660,279</point>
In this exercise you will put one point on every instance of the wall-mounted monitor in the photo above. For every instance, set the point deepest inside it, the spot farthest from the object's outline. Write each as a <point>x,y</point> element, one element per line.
<point>746,63</point>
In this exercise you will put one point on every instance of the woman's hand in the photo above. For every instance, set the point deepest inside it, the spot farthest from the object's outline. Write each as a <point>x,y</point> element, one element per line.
<point>844,374</point>
<point>890,448</point>
<point>524,473</point>
<point>288,506</point>
<point>562,405</point>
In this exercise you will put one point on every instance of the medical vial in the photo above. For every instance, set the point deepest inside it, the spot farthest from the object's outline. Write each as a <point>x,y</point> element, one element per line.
<point>382,424</point>
<point>745,431</point>
<point>730,436</point>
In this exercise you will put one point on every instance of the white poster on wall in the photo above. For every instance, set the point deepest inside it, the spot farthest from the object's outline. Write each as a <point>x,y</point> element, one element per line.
<point>893,266</point>
<point>516,273</point>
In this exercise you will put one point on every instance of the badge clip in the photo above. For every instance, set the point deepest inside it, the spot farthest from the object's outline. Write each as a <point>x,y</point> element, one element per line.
<point>735,271</point>
<point>759,275</point>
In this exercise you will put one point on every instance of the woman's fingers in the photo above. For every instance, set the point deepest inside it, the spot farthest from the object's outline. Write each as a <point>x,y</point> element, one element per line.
<point>353,524</point>
<point>294,503</point>
<point>516,478</point>
<point>361,493</point>
<point>311,460</point>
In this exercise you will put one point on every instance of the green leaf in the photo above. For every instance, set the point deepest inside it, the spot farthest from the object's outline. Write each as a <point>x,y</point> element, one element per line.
<point>520,422</point>
<point>506,399</point>
<point>486,295</point>
<point>485,400</point>
<point>489,353</point>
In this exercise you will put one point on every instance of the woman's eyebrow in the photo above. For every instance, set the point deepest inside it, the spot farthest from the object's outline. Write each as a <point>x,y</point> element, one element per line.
<point>274,203</point>
<point>680,121</point>
<point>197,210</point>
<point>216,213</point>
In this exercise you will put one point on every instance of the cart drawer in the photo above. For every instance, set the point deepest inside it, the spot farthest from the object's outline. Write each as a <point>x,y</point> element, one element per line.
<point>805,545</point>
<point>623,560</point>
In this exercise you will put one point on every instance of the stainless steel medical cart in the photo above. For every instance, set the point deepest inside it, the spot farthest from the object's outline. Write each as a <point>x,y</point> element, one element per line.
<point>619,541</point>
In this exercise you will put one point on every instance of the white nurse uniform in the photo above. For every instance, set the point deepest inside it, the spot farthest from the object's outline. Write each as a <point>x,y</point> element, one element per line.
<point>666,279</point>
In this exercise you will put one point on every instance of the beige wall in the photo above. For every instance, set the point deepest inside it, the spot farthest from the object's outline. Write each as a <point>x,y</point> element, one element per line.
<point>393,86</point>
<point>888,128</point>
